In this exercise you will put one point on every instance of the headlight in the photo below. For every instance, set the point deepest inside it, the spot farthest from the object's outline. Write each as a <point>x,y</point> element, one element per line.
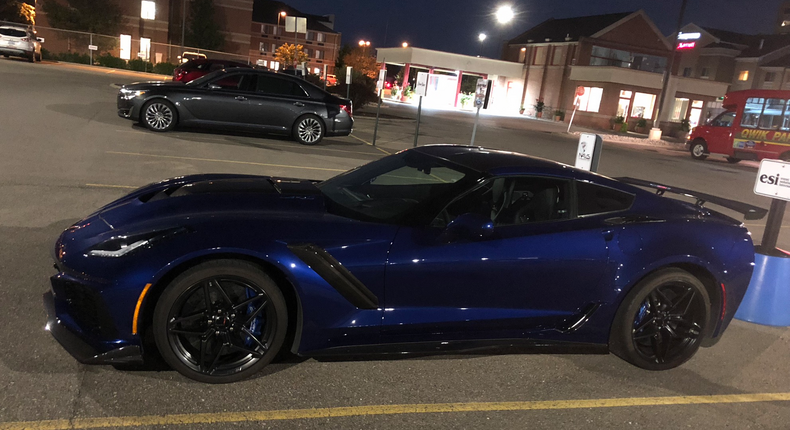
<point>123,245</point>
<point>130,94</point>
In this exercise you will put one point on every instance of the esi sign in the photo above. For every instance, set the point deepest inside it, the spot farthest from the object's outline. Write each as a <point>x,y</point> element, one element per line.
<point>773,180</point>
<point>588,153</point>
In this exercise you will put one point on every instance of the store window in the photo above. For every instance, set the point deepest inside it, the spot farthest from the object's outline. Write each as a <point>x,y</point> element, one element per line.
<point>145,48</point>
<point>148,10</point>
<point>643,105</point>
<point>679,109</point>
<point>743,76</point>
<point>591,100</point>
<point>696,112</point>
<point>126,46</point>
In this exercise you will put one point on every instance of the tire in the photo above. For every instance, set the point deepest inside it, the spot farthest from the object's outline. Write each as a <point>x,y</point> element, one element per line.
<point>699,150</point>
<point>733,160</point>
<point>235,336</point>
<point>309,130</point>
<point>662,321</point>
<point>32,58</point>
<point>785,156</point>
<point>159,115</point>
<point>38,57</point>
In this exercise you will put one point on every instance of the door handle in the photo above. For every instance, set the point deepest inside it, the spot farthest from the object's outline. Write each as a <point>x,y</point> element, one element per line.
<point>241,98</point>
<point>299,104</point>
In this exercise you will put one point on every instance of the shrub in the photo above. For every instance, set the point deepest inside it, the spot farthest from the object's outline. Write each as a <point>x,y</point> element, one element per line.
<point>362,91</point>
<point>641,123</point>
<point>46,55</point>
<point>539,105</point>
<point>109,60</point>
<point>164,68</point>
<point>140,65</point>
<point>685,125</point>
<point>560,113</point>
<point>619,119</point>
<point>72,57</point>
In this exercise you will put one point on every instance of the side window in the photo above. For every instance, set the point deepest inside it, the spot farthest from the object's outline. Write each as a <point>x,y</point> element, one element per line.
<point>515,201</point>
<point>751,112</point>
<point>724,120</point>
<point>216,66</point>
<point>771,118</point>
<point>595,199</point>
<point>281,87</point>
<point>232,82</point>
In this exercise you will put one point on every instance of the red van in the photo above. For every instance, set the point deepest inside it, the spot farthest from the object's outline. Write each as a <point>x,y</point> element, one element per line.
<point>754,125</point>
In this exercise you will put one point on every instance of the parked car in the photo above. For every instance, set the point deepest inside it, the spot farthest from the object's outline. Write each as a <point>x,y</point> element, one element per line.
<point>188,56</point>
<point>194,69</point>
<point>331,80</point>
<point>240,99</point>
<point>19,40</point>
<point>434,249</point>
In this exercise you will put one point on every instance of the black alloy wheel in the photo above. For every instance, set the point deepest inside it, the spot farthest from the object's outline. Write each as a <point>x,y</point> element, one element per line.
<point>221,321</point>
<point>159,115</point>
<point>662,321</point>
<point>309,130</point>
<point>699,150</point>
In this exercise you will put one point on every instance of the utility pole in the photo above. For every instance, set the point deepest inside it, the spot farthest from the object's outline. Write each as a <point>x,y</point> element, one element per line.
<point>183,26</point>
<point>655,133</point>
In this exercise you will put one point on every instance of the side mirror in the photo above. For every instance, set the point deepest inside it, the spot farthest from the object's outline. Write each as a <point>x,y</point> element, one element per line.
<point>469,226</point>
<point>214,87</point>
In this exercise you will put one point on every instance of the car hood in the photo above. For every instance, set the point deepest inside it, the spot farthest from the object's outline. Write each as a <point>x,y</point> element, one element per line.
<point>151,84</point>
<point>183,198</point>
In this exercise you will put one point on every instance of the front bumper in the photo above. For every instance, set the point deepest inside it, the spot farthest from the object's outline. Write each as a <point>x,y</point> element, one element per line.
<point>82,350</point>
<point>127,108</point>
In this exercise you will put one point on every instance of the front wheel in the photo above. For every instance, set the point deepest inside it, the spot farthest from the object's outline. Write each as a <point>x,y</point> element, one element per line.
<point>159,115</point>
<point>662,321</point>
<point>699,150</point>
<point>309,130</point>
<point>733,160</point>
<point>220,321</point>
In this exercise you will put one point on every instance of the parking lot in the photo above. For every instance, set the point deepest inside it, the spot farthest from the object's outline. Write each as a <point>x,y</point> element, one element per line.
<point>65,152</point>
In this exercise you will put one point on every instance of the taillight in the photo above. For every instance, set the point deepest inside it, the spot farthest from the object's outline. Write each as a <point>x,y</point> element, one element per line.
<point>346,108</point>
<point>25,39</point>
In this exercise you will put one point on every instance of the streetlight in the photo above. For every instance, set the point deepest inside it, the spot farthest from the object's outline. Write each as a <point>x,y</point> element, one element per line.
<point>504,14</point>
<point>405,44</point>
<point>481,37</point>
<point>364,43</point>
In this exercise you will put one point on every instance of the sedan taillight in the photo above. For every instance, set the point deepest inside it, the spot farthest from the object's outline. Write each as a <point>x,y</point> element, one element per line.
<point>346,108</point>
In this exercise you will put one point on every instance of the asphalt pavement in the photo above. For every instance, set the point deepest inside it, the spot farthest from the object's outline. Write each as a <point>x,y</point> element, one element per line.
<point>65,152</point>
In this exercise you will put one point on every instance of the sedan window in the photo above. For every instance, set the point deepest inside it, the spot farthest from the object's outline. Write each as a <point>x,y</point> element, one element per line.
<point>595,199</point>
<point>281,87</point>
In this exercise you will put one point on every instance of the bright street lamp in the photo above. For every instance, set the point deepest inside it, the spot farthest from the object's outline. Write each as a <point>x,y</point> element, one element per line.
<point>364,43</point>
<point>504,14</point>
<point>405,44</point>
<point>481,37</point>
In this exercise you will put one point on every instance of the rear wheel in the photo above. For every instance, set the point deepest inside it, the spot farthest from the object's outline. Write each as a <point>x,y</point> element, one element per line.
<point>733,160</point>
<point>221,321</point>
<point>662,321</point>
<point>309,130</point>
<point>699,150</point>
<point>159,115</point>
<point>785,156</point>
<point>38,57</point>
<point>32,57</point>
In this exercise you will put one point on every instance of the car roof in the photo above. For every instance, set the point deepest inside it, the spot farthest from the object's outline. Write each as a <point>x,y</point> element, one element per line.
<point>488,160</point>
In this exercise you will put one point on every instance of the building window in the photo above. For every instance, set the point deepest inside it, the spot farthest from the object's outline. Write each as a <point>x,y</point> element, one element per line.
<point>679,110</point>
<point>705,73</point>
<point>743,76</point>
<point>557,59</point>
<point>643,105</point>
<point>275,65</point>
<point>274,48</point>
<point>687,72</point>
<point>317,71</point>
<point>630,60</point>
<point>262,46</point>
<point>319,54</point>
<point>126,46</point>
<point>148,10</point>
<point>624,103</point>
<point>145,48</point>
<point>770,76</point>
<point>522,55</point>
<point>320,37</point>
<point>540,56</point>
<point>591,100</point>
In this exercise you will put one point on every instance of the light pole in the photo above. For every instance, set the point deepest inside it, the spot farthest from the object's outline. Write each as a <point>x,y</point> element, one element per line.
<point>279,15</point>
<point>481,37</point>
<point>655,132</point>
<point>504,15</point>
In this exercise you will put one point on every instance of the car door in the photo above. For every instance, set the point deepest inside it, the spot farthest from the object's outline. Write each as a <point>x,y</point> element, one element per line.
<point>540,268</point>
<point>222,101</point>
<point>718,134</point>
<point>277,102</point>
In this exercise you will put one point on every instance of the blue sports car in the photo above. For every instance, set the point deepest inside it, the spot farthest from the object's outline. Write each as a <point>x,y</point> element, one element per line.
<point>434,249</point>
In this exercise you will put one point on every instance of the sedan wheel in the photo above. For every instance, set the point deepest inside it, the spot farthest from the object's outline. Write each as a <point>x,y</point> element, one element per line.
<point>662,321</point>
<point>159,115</point>
<point>699,150</point>
<point>220,322</point>
<point>309,130</point>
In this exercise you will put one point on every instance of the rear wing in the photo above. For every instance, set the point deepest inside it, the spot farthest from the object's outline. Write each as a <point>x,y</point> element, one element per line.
<point>749,212</point>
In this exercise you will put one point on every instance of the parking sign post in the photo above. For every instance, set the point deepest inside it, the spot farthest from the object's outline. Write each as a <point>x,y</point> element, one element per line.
<point>768,295</point>
<point>380,89</point>
<point>421,89</point>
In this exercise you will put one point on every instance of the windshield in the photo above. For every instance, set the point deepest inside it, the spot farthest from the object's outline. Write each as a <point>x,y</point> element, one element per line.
<point>205,78</point>
<point>397,189</point>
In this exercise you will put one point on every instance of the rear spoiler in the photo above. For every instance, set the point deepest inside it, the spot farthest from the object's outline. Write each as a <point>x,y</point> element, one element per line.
<point>749,212</point>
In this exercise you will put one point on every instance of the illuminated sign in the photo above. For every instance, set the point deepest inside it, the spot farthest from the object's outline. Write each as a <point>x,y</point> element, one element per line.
<point>689,36</point>
<point>687,45</point>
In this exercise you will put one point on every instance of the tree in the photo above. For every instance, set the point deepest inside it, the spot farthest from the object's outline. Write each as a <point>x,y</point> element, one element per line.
<point>17,11</point>
<point>202,30</point>
<point>102,17</point>
<point>290,55</point>
<point>361,62</point>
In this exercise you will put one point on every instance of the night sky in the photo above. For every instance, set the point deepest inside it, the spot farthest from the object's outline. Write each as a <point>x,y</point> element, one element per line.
<point>454,25</point>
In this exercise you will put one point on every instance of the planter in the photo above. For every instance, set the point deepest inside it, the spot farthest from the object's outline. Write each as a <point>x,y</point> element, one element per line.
<point>538,114</point>
<point>521,111</point>
<point>558,118</point>
<point>639,129</point>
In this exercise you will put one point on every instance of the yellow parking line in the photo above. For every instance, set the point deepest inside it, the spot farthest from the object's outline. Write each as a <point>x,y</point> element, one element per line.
<point>368,143</point>
<point>225,161</point>
<point>299,414</point>
<point>111,186</point>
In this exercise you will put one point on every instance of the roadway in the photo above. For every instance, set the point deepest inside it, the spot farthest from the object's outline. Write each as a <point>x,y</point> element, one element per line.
<point>65,152</point>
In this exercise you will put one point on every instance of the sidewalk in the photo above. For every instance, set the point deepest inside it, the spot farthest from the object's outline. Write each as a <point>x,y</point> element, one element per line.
<point>107,70</point>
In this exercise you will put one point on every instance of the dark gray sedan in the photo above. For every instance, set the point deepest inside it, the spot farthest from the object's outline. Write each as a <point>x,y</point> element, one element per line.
<point>239,99</point>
